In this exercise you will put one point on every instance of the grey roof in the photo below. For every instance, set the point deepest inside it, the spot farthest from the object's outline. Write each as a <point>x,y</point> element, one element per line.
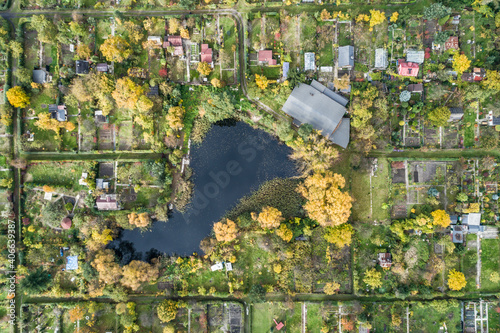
<point>495,121</point>
<point>286,68</point>
<point>381,59</point>
<point>416,87</point>
<point>99,183</point>
<point>341,135</point>
<point>336,97</point>
<point>82,67</point>
<point>457,235</point>
<point>473,219</point>
<point>102,67</point>
<point>310,105</point>
<point>415,56</point>
<point>454,219</point>
<point>39,76</point>
<point>309,61</point>
<point>457,110</point>
<point>346,56</point>
<point>58,112</point>
<point>474,229</point>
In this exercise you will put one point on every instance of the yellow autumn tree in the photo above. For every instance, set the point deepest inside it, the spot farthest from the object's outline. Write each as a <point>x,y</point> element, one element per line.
<point>331,288</point>
<point>108,269</point>
<point>167,310</point>
<point>362,18</point>
<point>456,280</point>
<point>46,122</point>
<point>325,15</point>
<point>261,81</point>
<point>17,97</point>
<point>76,313</point>
<point>47,188</point>
<point>184,33</point>
<point>225,232</point>
<point>284,233</point>
<point>83,51</point>
<point>492,80</point>
<point>137,272</point>
<point>175,116</point>
<point>127,93</point>
<point>140,220</point>
<point>314,154</point>
<point>173,25</point>
<point>394,17</point>
<point>116,49</point>
<point>373,278</point>
<point>326,203</point>
<point>69,126</point>
<point>441,218</point>
<point>216,83</point>
<point>460,63</point>
<point>270,218</point>
<point>204,68</point>
<point>376,17</point>
<point>340,235</point>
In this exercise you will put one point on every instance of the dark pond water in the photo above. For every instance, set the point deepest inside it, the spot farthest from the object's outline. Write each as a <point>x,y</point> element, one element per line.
<point>231,162</point>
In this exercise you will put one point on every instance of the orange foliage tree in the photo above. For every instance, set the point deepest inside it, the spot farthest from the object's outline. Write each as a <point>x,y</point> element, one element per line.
<point>269,218</point>
<point>225,232</point>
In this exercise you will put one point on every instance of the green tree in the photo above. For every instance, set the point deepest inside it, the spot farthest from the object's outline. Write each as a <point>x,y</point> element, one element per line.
<point>340,235</point>
<point>47,31</point>
<point>373,278</point>
<point>36,282</point>
<point>23,76</point>
<point>436,11</point>
<point>219,107</point>
<point>167,310</point>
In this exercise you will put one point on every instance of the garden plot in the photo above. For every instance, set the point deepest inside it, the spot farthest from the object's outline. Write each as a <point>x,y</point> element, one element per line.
<point>432,137</point>
<point>367,41</point>
<point>412,133</point>
<point>106,137</point>
<point>308,33</point>
<point>124,136</point>
<point>414,35</point>
<point>397,38</point>
<point>225,316</point>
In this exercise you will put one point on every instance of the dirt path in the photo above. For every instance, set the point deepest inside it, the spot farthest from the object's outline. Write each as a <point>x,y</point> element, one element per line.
<point>262,31</point>
<point>304,317</point>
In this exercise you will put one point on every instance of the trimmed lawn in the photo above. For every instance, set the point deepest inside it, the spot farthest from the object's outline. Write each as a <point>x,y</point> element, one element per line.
<point>490,256</point>
<point>263,315</point>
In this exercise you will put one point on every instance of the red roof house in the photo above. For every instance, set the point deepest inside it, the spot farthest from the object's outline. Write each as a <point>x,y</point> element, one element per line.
<point>451,43</point>
<point>266,56</point>
<point>107,202</point>
<point>407,68</point>
<point>206,54</point>
<point>385,260</point>
<point>478,74</point>
<point>176,42</point>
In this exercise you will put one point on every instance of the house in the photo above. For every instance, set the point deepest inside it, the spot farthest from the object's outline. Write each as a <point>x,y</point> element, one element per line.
<point>82,67</point>
<point>103,68</point>
<point>451,43</point>
<point>58,112</point>
<point>381,61</point>
<point>415,56</point>
<point>323,109</point>
<point>206,54</point>
<point>266,58</point>
<point>107,202</point>
<point>457,233</point>
<point>346,57</point>
<point>384,260</point>
<point>153,91</point>
<point>100,118</point>
<point>456,20</point>
<point>478,74</point>
<point>39,76</point>
<point>155,39</point>
<point>309,61</point>
<point>83,180</point>
<point>456,114</point>
<point>217,267</point>
<point>416,88</point>
<point>176,43</point>
<point>71,263</point>
<point>286,68</point>
<point>407,68</point>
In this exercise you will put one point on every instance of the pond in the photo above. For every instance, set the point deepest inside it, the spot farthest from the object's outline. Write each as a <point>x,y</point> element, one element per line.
<point>232,162</point>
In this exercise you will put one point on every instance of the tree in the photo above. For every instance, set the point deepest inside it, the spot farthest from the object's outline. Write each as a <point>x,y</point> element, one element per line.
<point>216,83</point>
<point>17,97</point>
<point>456,280</point>
<point>270,218</point>
<point>261,81</point>
<point>140,220</point>
<point>116,49</point>
<point>284,233</point>
<point>460,63</point>
<point>394,17</point>
<point>331,288</point>
<point>376,17</point>
<point>439,116</point>
<point>175,116</point>
<point>104,263</point>
<point>342,83</point>
<point>436,11</point>
<point>441,37</point>
<point>23,75</point>
<point>225,232</point>
<point>315,154</point>
<point>83,51</point>
<point>6,182</point>
<point>373,278</point>
<point>184,33</point>
<point>80,90</point>
<point>325,15</point>
<point>127,93</point>
<point>462,197</point>
<point>138,272</point>
<point>441,218</point>
<point>16,48</point>
<point>204,68</point>
<point>76,313</point>
<point>492,80</point>
<point>167,310</point>
<point>36,282</point>
<point>326,203</point>
<point>295,77</point>
<point>497,20</point>
<point>47,31</point>
<point>173,25</point>
<point>220,106</point>
<point>340,235</point>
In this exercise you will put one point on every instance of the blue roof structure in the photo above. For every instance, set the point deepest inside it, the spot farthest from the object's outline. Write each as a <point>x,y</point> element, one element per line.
<point>71,263</point>
<point>286,68</point>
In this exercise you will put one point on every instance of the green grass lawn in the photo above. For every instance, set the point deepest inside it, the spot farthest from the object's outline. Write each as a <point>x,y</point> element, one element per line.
<point>469,121</point>
<point>56,174</point>
<point>490,257</point>
<point>263,315</point>
<point>468,264</point>
<point>314,320</point>
<point>426,319</point>
<point>271,72</point>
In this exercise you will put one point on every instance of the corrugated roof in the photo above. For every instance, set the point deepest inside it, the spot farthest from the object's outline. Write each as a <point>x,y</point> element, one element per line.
<point>309,61</point>
<point>346,56</point>
<point>342,135</point>
<point>286,68</point>
<point>336,97</point>
<point>381,59</point>
<point>415,56</point>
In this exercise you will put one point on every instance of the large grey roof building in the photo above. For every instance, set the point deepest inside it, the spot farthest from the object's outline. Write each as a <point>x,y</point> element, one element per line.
<point>322,108</point>
<point>346,56</point>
